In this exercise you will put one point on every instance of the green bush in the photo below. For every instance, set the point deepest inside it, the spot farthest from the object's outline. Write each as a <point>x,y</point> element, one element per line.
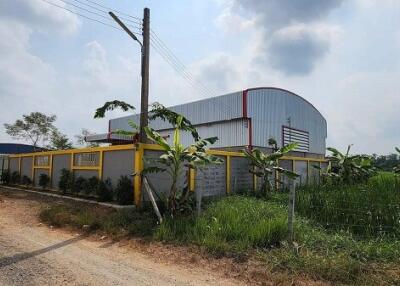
<point>15,178</point>
<point>65,183</point>
<point>104,191</point>
<point>26,181</point>
<point>44,180</point>
<point>91,186</point>
<point>124,191</point>
<point>5,177</point>
<point>79,185</point>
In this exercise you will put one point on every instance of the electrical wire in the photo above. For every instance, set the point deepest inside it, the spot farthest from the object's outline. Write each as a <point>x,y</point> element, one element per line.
<point>81,15</point>
<point>137,22</point>
<point>159,46</point>
<point>106,16</point>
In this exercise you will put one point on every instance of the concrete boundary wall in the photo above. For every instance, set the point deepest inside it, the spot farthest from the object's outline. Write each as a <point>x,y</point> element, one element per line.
<point>125,160</point>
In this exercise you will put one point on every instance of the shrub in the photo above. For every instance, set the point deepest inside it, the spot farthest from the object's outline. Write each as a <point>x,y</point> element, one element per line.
<point>5,177</point>
<point>124,191</point>
<point>91,186</point>
<point>15,178</point>
<point>66,180</point>
<point>44,180</point>
<point>26,180</point>
<point>79,185</point>
<point>104,191</point>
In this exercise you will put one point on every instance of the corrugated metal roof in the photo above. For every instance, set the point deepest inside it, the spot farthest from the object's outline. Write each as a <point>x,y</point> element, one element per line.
<point>267,108</point>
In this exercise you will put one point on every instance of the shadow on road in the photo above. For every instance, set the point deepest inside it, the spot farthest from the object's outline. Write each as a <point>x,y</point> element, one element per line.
<point>5,261</point>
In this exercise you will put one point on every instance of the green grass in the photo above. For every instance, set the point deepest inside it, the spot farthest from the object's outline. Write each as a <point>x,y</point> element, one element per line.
<point>122,222</point>
<point>371,210</point>
<point>230,225</point>
<point>239,226</point>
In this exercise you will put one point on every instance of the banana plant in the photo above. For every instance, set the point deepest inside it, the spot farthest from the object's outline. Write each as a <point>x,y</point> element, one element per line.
<point>347,168</point>
<point>176,156</point>
<point>265,165</point>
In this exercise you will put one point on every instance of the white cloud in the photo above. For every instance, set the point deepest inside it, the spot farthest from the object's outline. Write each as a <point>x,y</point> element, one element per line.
<point>40,15</point>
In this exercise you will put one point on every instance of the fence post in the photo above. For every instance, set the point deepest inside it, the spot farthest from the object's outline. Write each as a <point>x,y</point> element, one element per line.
<point>292,195</point>
<point>138,168</point>
<point>228,174</point>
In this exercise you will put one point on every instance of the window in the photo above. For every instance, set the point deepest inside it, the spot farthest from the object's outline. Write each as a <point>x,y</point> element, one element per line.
<point>42,160</point>
<point>86,159</point>
<point>293,135</point>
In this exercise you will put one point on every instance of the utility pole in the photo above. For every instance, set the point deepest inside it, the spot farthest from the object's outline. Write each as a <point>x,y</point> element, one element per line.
<point>144,102</point>
<point>145,62</point>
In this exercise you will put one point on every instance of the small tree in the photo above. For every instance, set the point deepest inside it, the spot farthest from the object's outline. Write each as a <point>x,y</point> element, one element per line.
<point>59,141</point>
<point>347,168</point>
<point>35,127</point>
<point>265,165</point>
<point>176,156</point>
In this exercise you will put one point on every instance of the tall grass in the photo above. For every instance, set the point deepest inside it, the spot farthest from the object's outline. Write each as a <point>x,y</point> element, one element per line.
<point>233,224</point>
<point>368,210</point>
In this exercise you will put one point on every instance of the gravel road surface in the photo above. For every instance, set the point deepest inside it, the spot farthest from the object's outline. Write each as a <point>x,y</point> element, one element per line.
<point>34,254</point>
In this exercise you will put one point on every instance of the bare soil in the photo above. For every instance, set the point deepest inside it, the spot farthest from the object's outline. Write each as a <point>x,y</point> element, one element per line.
<point>34,254</point>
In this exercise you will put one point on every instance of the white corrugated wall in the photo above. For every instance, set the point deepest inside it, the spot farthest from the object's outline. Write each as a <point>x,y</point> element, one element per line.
<point>270,108</point>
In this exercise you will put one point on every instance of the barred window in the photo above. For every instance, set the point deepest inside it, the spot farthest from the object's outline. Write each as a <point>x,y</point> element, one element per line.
<point>293,135</point>
<point>86,159</point>
<point>42,160</point>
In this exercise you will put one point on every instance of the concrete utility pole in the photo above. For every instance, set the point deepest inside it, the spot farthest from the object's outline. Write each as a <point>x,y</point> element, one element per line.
<point>144,105</point>
<point>145,63</point>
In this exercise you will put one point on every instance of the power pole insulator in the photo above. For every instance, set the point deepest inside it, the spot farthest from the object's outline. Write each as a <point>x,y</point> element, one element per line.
<point>144,105</point>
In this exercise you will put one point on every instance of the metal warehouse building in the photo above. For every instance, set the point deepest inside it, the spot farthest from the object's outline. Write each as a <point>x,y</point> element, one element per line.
<point>246,118</point>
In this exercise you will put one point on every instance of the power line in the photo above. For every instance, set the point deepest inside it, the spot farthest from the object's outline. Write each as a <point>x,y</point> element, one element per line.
<point>81,15</point>
<point>113,10</point>
<point>137,22</point>
<point>157,39</point>
<point>95,13</point>
<point>160,47</point>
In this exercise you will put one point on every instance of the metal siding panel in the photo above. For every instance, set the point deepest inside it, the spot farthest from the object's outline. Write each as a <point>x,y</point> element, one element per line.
<point>224,107</point>
<point>14,165</point>
<point>230,134</point>
<point>116,164</point>
<point>87,174</point>
<point>59,162</point>
<point>26,167</point>
<point>269,110</point>
<point>37,174</point>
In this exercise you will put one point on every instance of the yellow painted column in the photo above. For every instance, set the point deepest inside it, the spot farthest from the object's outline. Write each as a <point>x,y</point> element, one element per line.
<point>192,176</point>
<point>51,170</point>
<point>33,170</point>
<point>19,165</point>
<point>228,174</point>
<point>101,164</point>
<point>138,168</point>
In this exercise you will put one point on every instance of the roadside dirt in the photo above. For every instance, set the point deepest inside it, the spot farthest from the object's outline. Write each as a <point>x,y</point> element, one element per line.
<point>34,254</point>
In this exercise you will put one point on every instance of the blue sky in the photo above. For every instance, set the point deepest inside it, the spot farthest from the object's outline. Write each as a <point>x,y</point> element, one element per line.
<point>343,56</point>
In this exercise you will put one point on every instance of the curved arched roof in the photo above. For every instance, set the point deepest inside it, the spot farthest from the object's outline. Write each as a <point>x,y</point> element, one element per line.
<point>288,91</point>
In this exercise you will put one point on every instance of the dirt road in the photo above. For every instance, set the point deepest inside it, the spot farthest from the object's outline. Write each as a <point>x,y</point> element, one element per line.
<point>33,254</point>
